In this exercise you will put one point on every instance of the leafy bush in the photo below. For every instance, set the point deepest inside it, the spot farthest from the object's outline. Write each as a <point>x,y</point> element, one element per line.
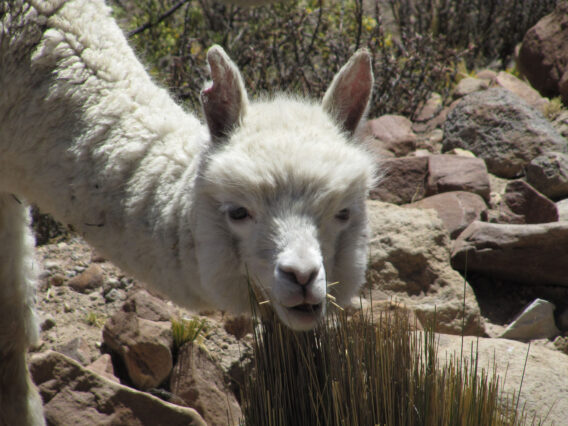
<point>295,46</point>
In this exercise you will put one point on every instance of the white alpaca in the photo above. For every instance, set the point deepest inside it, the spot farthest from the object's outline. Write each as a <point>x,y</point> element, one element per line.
<point>270,193</point>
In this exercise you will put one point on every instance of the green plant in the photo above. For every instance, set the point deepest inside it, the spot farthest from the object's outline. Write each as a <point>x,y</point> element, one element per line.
<point>553,108</point>
<point>94,319</point>
<point>356,372</point>
<point>186,330</point>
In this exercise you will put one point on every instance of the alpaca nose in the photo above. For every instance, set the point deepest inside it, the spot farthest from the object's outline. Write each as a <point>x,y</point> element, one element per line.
<point>303,277</point>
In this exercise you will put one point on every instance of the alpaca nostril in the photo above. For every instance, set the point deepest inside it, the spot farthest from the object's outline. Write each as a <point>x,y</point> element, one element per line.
<point>296,276</point>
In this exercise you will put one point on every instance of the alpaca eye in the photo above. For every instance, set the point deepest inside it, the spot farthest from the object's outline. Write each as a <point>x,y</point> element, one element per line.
<point>238,213</point>
<point>343,215</point>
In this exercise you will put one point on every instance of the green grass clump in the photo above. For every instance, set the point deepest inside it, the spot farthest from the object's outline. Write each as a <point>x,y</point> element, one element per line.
<point>94,319</point>
<point>186,330</point>
<point>355,372</point>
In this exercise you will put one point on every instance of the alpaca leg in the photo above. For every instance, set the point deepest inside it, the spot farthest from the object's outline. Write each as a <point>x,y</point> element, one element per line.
<point>20,403</point>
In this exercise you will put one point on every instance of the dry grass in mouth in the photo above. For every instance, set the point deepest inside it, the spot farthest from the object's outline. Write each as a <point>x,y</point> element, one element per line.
<point>356,372</point>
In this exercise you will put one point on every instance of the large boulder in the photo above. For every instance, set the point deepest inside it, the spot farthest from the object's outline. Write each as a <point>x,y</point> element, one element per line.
<point>542,383</point>
<point>530,254</point>
<point>74,395</point>
<point>409,256</point>
<point>502,129</point>
<point>543,56</point>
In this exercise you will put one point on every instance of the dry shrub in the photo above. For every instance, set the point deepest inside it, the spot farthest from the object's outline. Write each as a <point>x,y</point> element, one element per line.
<point>362,373</point>
<point>489,28</point>
<point>294,46</point>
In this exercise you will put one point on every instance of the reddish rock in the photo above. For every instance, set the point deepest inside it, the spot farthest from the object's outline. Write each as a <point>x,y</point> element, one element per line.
<point>527,202</point>
<point>202,385</point>
<point>548,173</point>
<point>403,180</point>
<point>73,395</point>
<point>430,109</point>
<point>144,346</point>
<point>456,209</point>
<point>469,85</point>
<point>392,133</point>
<point>103,367</point>
<point>88,280</point>
<point>148,307</point>
<point>521,89</point>
<point>530,254</point>
<point>457,173</point>
<point>543,55</point>
<point>76,348</point>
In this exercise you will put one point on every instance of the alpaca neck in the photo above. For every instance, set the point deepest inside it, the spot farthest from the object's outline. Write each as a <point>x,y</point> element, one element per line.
<point>87,136</point>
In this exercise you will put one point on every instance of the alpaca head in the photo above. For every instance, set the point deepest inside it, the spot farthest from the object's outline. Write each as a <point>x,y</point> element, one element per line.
<point>280,197</point>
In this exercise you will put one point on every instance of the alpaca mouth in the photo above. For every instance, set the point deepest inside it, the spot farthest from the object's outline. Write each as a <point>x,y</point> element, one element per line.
<point>307,308</point>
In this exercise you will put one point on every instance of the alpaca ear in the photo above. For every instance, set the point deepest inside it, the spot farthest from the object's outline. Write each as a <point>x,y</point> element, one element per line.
<point>224,100</point>
<point>348,96</point>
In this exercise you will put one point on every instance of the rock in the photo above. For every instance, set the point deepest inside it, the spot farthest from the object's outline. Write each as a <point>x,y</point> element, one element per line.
<point>77,349</point>
<point>499,211</point>
<point>525,201</point>
<point>543,55</point>
<point>487,74</point>
<point>103,367</point>
<point>148,307</point>
<point>392,133</point>
<point>457,209</point>
<point>202,385</point>
<point>535,322</point>
<point>548,173</point>
<point>469,85</point>
<point>543,391</point>
<point>73,395</point>
<point>521,89</point>
<point>501,129</point>
<point>430,109</point>
<point>144,346</point>
<point>409,261</point>
<point>560,123</point>
<point>529,254</point>
<point>455,173</point>
<point>562,207</point>
<point>402,181</point>
<point>88,280</point>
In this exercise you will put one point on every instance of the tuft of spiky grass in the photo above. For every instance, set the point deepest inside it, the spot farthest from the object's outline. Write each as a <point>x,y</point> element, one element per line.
<point>357,372</point>
<point>186,330</point>
<point>94,319</point>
